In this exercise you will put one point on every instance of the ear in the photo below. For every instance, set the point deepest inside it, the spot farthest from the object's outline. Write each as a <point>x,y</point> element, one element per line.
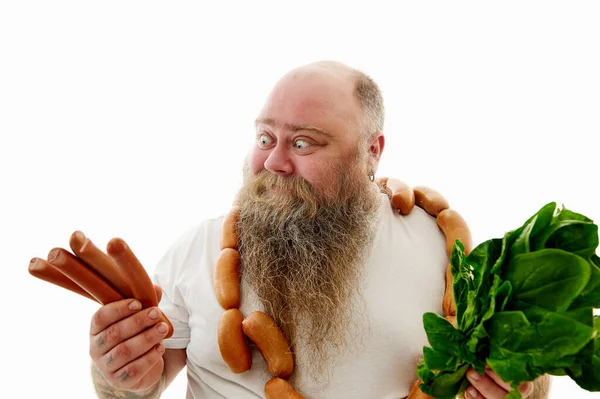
<point>377,144</point>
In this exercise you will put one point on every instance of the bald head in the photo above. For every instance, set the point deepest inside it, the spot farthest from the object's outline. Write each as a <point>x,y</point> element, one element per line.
<point>364,90</point>
<point>317,119</point>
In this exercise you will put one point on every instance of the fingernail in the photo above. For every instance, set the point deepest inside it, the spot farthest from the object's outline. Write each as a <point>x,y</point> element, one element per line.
<point>473,393</point>
<point>153,314</point>
<point>474,375</point>
<point>135,305</point>
<point>160,348</point>
<point>162,328</point>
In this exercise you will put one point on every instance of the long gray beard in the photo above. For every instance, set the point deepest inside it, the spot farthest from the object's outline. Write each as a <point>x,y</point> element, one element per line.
<point>303,256</point>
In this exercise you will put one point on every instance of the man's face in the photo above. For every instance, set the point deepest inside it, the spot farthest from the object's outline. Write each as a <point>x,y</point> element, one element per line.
<point>309,128</point>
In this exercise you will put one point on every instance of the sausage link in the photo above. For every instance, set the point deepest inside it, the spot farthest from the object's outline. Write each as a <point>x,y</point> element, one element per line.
<point>263,331</point>
<point>85,277</point>
<point>448,304</point>
<point>430,200</point>
<point>416,393</point>
<point>99,262</point>
<point>403,196</point>
<point>454,227</point>
<point>229,236</point>
<point>44,271</point>
<point>232,342</point>
<point>136,277</point>
<point>452,320</point>
<point>227,279</point>
<point>277,388</point>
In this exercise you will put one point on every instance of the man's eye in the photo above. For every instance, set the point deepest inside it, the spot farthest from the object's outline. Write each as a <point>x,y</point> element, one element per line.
<point>301,144</point>
<point>264,140</point>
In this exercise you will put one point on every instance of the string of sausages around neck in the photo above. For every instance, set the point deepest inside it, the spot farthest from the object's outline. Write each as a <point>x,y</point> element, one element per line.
<point>235,330</point>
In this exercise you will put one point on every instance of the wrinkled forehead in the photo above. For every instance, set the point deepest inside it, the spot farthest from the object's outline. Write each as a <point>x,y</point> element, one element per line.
<point>315,96</point>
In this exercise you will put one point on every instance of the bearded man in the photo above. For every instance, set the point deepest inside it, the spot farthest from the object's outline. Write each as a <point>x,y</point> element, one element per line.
<point>345,277</point>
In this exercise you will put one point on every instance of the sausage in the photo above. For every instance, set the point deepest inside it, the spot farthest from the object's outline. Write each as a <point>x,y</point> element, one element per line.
<point>229,236</point>
<point>136,277</point>
<point>416,393</point>
<point>44,271</point>
<point>227,279</point>
<point>263,331</point>
<point>277,388</point>
<point>232,342</point>
<point>448,304</point>
<point>451,320</point>
<point>454,227</point>
<point>430,200</point>
<point>99,262</point>
<point>402,195</point>
<point>81,274</point>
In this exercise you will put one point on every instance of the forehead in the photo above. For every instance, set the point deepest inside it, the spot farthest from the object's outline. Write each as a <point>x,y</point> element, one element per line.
<point>318,98</point>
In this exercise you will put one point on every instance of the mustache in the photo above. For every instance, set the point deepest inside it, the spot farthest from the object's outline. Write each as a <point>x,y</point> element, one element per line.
<point>287,193</point>
<point>294,186</point>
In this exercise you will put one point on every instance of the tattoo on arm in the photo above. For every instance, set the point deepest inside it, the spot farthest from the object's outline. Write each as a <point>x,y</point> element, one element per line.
<point>105,391</point>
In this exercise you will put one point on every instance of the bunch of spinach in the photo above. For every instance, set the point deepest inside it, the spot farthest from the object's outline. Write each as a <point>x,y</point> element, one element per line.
<point>524,305</point>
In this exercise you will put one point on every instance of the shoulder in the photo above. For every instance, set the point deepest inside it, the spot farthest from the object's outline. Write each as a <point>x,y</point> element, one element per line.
<point>198,244</point>
<point>417,224</point>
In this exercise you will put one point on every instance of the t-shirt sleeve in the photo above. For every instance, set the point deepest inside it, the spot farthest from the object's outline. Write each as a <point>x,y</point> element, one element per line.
<point>169,274</point>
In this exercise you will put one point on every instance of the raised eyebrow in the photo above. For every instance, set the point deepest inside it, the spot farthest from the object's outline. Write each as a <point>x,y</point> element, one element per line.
<point>293,127</point>
<point>311,128</point>
<point>267,122</point>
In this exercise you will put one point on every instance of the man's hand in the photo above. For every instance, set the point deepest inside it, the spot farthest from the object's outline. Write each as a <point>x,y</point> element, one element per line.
<point>490,386</point>
<point>126,345</point>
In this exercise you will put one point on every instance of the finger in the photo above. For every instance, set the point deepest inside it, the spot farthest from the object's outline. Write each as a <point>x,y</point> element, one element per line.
<point>485,386</point>
<point>130,375</point>
<point>381,181</point>
<point>112,313</point>
<point>116,333</point>
<point>525,388</point>
<point>129,350</point>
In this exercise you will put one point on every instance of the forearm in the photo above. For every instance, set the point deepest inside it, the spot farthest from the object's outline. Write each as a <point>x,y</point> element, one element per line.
<point>541,387</point>
<point>105,391</point>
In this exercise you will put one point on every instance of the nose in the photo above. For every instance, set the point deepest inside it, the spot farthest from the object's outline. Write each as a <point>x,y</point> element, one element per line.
<point>279,162</point>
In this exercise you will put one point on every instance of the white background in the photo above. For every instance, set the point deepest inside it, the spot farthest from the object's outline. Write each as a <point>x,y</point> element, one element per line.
<point>132,119</point>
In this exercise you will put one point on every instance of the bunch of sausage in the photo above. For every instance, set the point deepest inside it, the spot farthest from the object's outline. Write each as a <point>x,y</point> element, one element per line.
<point>101,277</point>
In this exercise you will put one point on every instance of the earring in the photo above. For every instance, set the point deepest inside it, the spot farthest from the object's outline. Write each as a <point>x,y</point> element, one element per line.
<point>371,176</point>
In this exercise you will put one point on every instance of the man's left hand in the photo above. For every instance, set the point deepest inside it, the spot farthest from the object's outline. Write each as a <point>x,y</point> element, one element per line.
<point>490,386</point>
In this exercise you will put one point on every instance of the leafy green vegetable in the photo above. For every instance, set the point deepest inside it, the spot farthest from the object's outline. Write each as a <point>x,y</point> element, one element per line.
<point>524,306</point>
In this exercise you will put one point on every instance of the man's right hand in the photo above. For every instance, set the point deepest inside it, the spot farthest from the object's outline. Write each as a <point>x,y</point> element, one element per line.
<point>126,344</point>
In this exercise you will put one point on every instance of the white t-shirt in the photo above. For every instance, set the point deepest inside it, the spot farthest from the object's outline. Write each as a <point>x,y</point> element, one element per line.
<point>404,277</point>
